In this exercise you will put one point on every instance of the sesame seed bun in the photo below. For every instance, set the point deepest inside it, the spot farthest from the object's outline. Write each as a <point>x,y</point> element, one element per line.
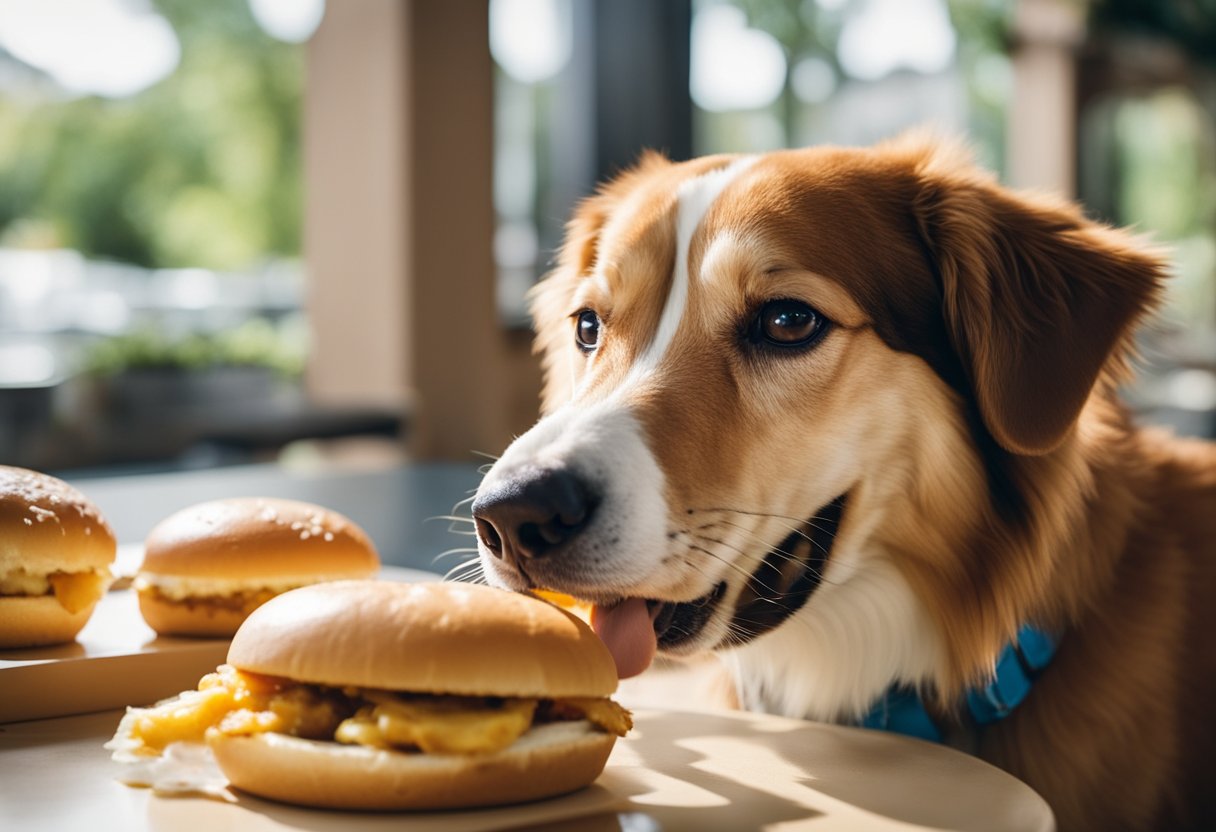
<point>208,566</point>
<point>450,638</point>
<point>257,539</point>
<point>48,528</point>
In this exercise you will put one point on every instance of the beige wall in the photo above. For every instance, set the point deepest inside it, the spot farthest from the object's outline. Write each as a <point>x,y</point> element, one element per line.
<point>1042,116</point>
<point>354,161</point>
<point>399,225</point>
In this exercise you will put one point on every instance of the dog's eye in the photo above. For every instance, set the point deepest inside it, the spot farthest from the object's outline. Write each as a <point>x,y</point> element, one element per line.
<point>787,323</point>
<point>587,330</point>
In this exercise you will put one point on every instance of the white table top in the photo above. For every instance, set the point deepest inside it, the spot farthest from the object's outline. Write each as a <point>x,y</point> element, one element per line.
<point>675,771</point>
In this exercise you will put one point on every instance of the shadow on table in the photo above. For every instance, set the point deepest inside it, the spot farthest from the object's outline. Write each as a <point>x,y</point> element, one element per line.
<point>804,768</point>
<point>673,791</point>
<point>707,771</point>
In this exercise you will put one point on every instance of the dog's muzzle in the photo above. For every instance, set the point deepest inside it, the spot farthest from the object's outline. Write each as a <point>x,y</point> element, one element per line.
<point>533,515</point>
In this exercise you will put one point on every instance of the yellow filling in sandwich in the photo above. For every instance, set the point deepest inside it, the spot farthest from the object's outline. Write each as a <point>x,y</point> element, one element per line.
<point>219,594</point>
<point>243,601</point>
<point>73,590</point>
<point>183,588</point>
<point>234,703</point>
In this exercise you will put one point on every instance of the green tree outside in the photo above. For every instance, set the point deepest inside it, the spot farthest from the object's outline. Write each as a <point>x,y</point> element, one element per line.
<point>202,169</point>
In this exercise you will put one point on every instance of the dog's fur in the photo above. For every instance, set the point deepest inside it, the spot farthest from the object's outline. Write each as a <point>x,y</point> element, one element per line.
<point>961,400</point>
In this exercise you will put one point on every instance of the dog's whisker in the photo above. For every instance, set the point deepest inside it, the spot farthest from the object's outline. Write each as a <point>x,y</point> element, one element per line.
<point>703,538</point>
<point>450,552</point>
<point>797,531</point>
<point>750,556</point>
<point>815,521</point>
<point>735,634</point>
<point>791,529</point>
<point>492,457</point>
<point>464,571</point>
<point>782,555</point>
<point>773,550</point>
<point>457,524</point>
<point>692,547</point>
<point>453,519</point>
<point>749,512</point>
<point>746,575</point>
<point>472,496</point>
<point>698,570</point>
<point>467,575</point>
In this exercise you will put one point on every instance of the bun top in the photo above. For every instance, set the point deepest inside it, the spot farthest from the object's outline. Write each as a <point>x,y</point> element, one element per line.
<point>48,526</point>
<point>424,638</point>
<point>250,538</point>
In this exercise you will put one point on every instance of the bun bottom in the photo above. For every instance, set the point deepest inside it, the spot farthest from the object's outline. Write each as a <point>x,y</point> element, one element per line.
<point>190,618</point>
<point>547,761</point>
<point>39,621</point>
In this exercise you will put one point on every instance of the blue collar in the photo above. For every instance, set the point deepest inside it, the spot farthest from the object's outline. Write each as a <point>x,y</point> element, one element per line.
<point>901,710</point>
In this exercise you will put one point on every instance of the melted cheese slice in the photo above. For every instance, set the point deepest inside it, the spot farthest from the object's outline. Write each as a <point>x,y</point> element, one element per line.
<point>235,703</point>
<point>76,591</point>
<point>602,713</point>
<point>188,716</point>
<point>177,588</point>
<point>567,602</point>
<point>439,725</point>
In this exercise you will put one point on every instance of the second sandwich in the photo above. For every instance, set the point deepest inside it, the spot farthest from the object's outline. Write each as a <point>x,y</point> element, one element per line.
<point>207,567</point>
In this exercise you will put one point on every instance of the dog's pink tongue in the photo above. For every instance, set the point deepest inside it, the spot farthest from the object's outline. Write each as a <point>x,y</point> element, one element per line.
<point>628,630</point>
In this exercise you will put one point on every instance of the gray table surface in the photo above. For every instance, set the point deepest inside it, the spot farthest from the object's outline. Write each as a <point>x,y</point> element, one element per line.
<point>397,507</point>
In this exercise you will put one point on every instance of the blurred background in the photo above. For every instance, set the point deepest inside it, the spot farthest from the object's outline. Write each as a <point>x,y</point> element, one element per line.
<point>291,230</point>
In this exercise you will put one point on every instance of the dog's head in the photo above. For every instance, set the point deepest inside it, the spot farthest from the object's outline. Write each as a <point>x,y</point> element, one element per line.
<point>773,378</point>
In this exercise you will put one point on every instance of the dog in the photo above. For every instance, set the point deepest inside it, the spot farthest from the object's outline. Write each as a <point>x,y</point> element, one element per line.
<point>849,418</point>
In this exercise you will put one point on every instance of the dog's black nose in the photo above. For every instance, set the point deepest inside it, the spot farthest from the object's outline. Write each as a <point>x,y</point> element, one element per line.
<point>533,514</point>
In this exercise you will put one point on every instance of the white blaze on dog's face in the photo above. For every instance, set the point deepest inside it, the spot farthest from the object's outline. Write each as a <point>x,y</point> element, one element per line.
<point>716,392</point>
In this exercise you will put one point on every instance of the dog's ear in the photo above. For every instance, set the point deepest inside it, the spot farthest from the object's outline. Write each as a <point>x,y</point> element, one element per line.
<point>549,300</point>
<point>1038,300</point>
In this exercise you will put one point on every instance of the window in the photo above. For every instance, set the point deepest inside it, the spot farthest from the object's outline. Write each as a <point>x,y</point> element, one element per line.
<point>150,215</point>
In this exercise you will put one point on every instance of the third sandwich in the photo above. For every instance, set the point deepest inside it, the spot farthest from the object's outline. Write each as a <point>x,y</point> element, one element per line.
<point>55,556</point>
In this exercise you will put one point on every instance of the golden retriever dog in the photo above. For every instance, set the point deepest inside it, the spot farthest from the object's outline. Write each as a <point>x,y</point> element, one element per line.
<point>848,418</point>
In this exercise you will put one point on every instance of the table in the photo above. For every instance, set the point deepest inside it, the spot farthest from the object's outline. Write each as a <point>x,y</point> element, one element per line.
<point>696,769</point>
<point>700,771</point>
